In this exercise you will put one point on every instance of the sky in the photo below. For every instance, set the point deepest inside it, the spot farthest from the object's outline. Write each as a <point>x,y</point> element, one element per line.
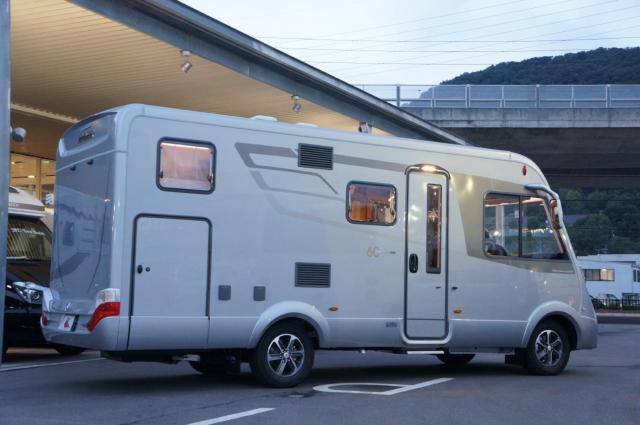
<point>427,41</point>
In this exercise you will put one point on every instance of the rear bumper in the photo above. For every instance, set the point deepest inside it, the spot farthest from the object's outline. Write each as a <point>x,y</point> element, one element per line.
<point>105,336</point>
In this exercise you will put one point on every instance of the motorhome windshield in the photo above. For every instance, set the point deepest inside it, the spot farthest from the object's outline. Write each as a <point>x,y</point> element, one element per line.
<point>28,239</point>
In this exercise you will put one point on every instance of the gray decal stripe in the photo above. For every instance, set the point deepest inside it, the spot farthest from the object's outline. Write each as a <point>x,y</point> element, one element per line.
<point>264,186</point>
<point>369,163</point>
<point>246,149</point>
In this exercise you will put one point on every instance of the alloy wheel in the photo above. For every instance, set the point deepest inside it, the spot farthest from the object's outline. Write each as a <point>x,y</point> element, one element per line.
<point>549,347</point>
<point>285,355</point>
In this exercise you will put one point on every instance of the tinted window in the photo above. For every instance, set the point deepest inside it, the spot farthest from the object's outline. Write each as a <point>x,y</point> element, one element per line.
<point>501,225</point>
<point>186,166</point>
<point>371,203</point>
<point>539,238</point>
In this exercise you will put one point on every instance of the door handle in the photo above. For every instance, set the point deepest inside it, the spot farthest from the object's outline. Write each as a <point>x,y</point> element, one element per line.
<point>413,263</point>
<point>139,268</point>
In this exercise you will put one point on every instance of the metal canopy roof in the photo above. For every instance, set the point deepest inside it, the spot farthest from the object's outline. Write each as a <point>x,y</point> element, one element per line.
<point>73,59</point>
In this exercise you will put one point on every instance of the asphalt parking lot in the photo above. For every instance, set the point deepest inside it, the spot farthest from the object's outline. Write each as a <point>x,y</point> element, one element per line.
<point>599,387</point>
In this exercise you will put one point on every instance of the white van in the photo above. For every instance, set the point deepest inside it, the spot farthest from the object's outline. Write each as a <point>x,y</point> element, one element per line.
<point>186,235</point>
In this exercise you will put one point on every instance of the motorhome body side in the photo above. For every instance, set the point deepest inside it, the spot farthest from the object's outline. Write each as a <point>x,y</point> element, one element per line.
<point>271,237</point>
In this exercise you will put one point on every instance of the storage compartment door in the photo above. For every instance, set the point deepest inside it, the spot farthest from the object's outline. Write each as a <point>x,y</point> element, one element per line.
<point>171,269</point>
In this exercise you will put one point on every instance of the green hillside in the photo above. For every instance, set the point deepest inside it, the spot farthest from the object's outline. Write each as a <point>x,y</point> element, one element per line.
<point>600,66</point>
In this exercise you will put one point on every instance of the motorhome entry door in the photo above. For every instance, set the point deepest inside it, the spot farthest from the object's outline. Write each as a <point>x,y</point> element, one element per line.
<point>426,255</point>
<point>170,283</point>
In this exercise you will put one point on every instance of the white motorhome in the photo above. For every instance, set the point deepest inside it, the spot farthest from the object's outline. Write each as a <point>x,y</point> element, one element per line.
<point>187,235</point>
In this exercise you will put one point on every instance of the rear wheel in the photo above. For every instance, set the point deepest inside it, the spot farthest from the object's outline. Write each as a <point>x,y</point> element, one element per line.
<point>67,350</point>
<point>548,350</point>
<point>284,356</point>
<point>455,359</point>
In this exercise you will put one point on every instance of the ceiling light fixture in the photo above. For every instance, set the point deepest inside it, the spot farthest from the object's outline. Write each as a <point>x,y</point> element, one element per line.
<point>297,106</point>
<point>186,65</point>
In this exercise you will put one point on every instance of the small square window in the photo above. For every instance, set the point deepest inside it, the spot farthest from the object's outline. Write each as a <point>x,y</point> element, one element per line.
<point>186,166</point>
<point>370,203</point>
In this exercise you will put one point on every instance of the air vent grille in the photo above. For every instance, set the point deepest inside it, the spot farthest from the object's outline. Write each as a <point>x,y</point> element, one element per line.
<point>314,156</point>
<point>314,275</point>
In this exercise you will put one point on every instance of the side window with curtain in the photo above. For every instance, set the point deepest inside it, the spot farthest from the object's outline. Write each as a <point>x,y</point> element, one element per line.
<point>186,166</point>
<point>371,203</point>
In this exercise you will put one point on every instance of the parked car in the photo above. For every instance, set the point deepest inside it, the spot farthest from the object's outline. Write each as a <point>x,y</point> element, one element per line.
<point>28,263</point>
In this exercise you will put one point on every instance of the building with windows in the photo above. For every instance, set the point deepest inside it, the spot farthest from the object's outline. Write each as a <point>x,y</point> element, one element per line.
<point>616,274</point>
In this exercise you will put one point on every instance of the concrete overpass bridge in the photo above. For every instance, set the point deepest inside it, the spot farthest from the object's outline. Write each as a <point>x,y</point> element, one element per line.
<point>580,135</point>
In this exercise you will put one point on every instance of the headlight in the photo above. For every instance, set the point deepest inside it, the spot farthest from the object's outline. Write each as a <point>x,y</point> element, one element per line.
<point>28,292</point>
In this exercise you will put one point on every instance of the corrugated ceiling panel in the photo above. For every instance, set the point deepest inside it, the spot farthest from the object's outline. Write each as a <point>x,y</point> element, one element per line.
<point>71,61</point>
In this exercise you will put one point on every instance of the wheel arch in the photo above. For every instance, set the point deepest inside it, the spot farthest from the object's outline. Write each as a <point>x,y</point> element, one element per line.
<point>559,313</point>
<point>302,313</point>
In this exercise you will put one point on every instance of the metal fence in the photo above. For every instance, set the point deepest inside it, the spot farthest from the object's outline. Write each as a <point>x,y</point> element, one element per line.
<point>623,304</point>
<point>507,96</point>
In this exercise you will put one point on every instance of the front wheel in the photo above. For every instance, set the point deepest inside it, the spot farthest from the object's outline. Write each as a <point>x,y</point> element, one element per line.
<point>455,359</point>
<point>548,350</point>
<point>284,356</point>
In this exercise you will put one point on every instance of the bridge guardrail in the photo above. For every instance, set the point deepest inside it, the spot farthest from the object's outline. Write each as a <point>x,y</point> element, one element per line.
<point>507,96</point>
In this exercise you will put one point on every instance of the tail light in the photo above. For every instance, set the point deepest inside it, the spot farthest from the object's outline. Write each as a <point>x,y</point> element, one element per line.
<point>44,320</point>
<point>107,305</point>
<point>107,309</point>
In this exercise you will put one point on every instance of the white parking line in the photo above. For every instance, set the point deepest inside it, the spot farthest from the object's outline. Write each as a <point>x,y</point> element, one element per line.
<point>234,416</point>
<point>36,365</point>
<point>397,388</point>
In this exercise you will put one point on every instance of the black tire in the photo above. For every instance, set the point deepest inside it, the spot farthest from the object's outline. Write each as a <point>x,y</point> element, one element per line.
<point>208,368</point>
<point>67,350</point>
<point>548,350</point>
<point>455,359</point>
<point>291,356</point>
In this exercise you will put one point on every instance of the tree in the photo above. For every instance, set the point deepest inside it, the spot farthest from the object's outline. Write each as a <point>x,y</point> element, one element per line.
<point>591,234</point>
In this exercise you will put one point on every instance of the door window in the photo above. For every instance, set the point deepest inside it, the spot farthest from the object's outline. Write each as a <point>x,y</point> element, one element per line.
<point>434,227</point>
<point>539,238</point>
